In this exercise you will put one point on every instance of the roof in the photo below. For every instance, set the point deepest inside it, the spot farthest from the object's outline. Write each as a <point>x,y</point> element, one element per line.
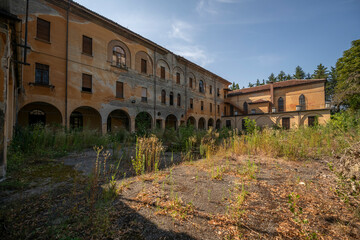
<point>288,83</point>
<point>259,101</point>
<point>127,32</point>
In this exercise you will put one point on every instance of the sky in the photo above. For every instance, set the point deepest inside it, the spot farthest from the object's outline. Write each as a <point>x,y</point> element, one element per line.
<point>242,40</point>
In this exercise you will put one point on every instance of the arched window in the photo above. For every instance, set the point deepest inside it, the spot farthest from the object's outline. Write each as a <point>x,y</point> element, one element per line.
<point>201,86</point>
<point>119,58</point>
<point>37,116</point>
<point>163,97</point>
<point>179,100</point>
<point>281,104</point>
<point>302,102</point>
<point>245,107</point>
<point>171,98</point>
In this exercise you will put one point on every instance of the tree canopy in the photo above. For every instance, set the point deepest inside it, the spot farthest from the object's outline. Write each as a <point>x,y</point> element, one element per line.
<point>320,72</point>
<point>299,73</point>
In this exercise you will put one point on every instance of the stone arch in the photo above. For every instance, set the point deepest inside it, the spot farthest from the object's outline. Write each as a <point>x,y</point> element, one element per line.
<point>171,121</point>
<point>191,121</point>
<point>210,123</point>
<point>85,117</point>
<point>39,112</point>
<point>118,119</point>
<point>163,63</point>
<point>149,62</point>
<point>218,124</point>
<point>264,121</point>
<point>143,121</point>
<point>202,123</point>
<point>114,43</point>
<point>303,119</point>
<point>177,69</point>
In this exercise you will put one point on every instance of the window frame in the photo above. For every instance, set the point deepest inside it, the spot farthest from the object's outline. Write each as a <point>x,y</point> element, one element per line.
<point>143,96</point>
<point>84,89</point>
<point>302,102</point>
<point>163,96</point>
<point>121,95</point>
<point>190,82</point>
<point>280,104</point>
<point>202,106</point>
<point>179,100</point>
<point>143,66</point>
<point>39,34</point>
<point>285,123</point>
<point>201,86</point>
<point>178,78</point>
<point>120,58</point>
<point>191,102</point>
<point>42,68</point>
<point>162,72</point>
<point>171,99</point>
<point>89,39</point>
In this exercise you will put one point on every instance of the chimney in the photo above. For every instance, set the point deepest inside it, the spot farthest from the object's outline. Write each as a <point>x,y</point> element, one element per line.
<point>272,92</point>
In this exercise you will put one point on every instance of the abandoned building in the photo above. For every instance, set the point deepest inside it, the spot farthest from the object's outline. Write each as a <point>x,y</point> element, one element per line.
<point>64,64</point>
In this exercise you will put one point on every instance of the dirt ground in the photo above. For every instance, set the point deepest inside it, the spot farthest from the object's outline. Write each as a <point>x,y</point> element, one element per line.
<point>231,197</point>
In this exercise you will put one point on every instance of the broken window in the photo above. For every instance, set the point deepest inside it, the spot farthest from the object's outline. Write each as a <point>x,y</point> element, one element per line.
<point>202,106</point>
<point>42,74</point>
<point>87,45</point>
<point>210,107</point>
<point>43,30</point>
<point>86,83</point>
<point>171,98</point>
<point>191,103</point>
<point>201,86</point>
<point>119,58</point>
<point>144,94</point>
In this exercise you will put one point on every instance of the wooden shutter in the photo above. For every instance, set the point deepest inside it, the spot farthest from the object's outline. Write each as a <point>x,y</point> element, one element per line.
<point>119,90</point>
<point>87,45</point>
<point>86,82</point>
<point>143,66</point>
<point>43,29</point>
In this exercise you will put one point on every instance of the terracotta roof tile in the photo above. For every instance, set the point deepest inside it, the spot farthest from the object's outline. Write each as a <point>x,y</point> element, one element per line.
<point>288,83</point>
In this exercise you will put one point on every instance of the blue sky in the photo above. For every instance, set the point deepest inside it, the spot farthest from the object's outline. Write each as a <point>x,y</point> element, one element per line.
<point>242,40</point>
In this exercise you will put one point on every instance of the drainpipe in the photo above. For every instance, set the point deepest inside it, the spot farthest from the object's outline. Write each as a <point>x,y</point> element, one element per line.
<point>67,63</point>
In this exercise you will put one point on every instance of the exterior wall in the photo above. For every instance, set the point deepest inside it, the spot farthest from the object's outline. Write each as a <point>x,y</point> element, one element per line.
<point>104,75</point>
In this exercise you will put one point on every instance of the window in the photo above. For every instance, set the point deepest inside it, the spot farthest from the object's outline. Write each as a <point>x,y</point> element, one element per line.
<point>210,107</point>
<point>163,97</point>
<point>286,123</point>
<point>119,89</point>
<point>202,106</point>
<point>178,78</point>
<point>245,107</point>
<point>190,82</point>
<point>162,72</point>
<point>201,86</point>
<point>224,110</point>
<point>280,104</point>
<point>42,74</point>
<point>231,110</point>
<point>218,92</point>
<point>312,121</point>
<point>87,45</point>
<point>118,57</point>
<point>179,100</point>
<point>191,103</point>
<point>144,94</point>
<point>218,110</point>
<point>210,89</point>
<point>253,111</point>
<point>76,120</point>
<point>302,102</point>
<point>43,30</point>
<point>37,116</point>
<point>143,66</point>
<point>228,123</point>
<point>86,82</point>
<point>171,98</point>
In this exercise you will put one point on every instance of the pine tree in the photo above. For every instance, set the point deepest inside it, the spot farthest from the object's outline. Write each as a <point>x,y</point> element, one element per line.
<point>250,84</point>
<point>320,72</point>
<point>272,78</point>
<point>281,76</point>
<point>263,82</point>
<point>331,84</point>
<point>308,76</point>
<point>288,77</point>
<point>299,73</point>
<point>237,86</point>
<point>257,82</point>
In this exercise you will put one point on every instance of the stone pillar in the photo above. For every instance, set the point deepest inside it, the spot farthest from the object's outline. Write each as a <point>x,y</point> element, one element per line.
<point>163,124</point>
<point>132,124</point>
<point>104,128</point>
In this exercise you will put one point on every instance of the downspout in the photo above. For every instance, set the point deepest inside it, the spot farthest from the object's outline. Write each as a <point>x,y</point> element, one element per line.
<point>66,64</point>
<point>154,72</point>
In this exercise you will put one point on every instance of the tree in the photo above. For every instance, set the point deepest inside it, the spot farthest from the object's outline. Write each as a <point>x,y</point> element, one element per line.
<point>232,87</point>
<point>299,73</point>
<point>257,82</point>
<point>347,91</point>
<point>281,76</point>
<point>272,78</point>
<point>288,77</point>
<point>320,72</point>
<point>331,84</point>
<point>308,76</point>
<point>263,82</point>
<point>250,84</point>
<point>237,86</point>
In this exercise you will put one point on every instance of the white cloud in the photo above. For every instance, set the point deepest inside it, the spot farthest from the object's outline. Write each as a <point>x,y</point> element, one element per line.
<point>206,6</point>
<point>181,30</point>
<point>194,53</point>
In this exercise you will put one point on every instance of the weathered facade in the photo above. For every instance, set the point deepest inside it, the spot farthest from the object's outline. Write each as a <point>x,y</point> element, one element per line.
<point>84,70</point>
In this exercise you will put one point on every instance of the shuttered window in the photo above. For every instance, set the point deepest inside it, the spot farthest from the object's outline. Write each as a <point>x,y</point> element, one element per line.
<point>86,83</point>
<point>119,90</point>
<point>178,78</point>
<point>162,72</point>
<point>42,74</point>
<point>143,66</point>
<point>87,45</point>
<point>43,29</point>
